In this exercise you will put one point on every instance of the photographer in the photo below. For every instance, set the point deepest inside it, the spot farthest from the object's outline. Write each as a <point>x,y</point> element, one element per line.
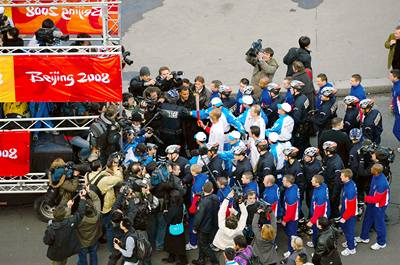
<point>231,226</point>
<point>165,79</point>
<point>264,66</point>
<point>139,83</point>
<point>5,22</point>
<point>264,238</point>
<point>61,236</point>
<point>48,35</point>
<point>12,39</point>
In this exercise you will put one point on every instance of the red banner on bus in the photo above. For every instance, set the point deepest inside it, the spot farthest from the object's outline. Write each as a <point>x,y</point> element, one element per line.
<point>14,153</point>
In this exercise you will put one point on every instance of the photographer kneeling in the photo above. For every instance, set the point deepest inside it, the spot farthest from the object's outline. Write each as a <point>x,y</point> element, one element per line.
<point>230,226</point>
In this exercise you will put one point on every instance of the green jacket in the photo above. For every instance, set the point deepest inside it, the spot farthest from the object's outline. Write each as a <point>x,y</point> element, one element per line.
<point>89,229</point>
<point>391,50</point>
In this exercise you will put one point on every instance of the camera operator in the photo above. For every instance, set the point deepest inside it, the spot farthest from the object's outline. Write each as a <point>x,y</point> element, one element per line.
<point>165,79</point>
<point>264,238</point>
<point>139,83</point>
<point>231,226</point>
<point>5,22</point>
<point>264,66</point>
<point>48,35</point>
<point>60,235</point>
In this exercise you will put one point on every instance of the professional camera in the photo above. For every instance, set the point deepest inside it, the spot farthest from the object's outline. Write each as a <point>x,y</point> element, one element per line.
<point>367,148</point>
<point>238,192</point>
<point>50,36</point>
<point>125,56</point>
<point>176,77</point>
<point>384,154</point>
<point>255,48</point>
<point>264,206</point>
<point>4,24</point>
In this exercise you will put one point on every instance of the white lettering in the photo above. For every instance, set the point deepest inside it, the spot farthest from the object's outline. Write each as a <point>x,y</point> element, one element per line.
<point>10,153</point>
<point>32,11</point>
<point>55,78</point>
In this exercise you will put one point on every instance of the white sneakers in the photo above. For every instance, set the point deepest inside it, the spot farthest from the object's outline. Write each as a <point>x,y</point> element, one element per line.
<point>360,240</point>
<point>376,246</point>
<point>310,244</point>
<point>190,246</point>
<point>344,244</point>
<point>286,254</point>
<point>347,252</point>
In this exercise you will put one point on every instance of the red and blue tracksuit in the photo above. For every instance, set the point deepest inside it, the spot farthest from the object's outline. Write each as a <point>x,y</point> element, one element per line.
<point>349,212</point>
<point>291,202</point>
<point>377,201</point>
<point>197,187</point>
<point>271,196</point>
<point>250,186</point>
<point>396,109</point>
<point>319,208</point>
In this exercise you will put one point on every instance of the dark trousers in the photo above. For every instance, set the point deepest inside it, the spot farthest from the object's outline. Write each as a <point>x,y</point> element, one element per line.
<point>92,251</point>
<point>334,194</point>
<point>204,242</point>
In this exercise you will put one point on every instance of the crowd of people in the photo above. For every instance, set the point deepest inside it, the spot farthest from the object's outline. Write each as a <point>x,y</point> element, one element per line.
<point>182,166</point>
<point>201,169</point>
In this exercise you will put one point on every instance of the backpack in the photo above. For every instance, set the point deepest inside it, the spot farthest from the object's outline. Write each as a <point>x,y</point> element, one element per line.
<point>143,249</point>
<point>159,175</point>
<point>93,187</point>
<point>98,133</point>
<point>253,260</point>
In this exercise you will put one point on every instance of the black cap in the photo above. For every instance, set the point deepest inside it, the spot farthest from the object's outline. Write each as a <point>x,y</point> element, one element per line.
<point>136,117</point>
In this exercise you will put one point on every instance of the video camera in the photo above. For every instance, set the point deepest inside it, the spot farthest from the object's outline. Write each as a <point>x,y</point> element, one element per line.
<point>238,192</point>
<point>264,206</point>
<point>176,77</point>
<point>383,154</point>
<point>50,36</point>
<point>255,48</point>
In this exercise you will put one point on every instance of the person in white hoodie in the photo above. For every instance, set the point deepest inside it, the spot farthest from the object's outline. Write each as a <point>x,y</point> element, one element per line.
<point>229,227</point>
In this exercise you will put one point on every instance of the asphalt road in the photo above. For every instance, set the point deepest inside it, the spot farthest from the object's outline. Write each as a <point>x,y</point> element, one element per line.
<point>21,232</point>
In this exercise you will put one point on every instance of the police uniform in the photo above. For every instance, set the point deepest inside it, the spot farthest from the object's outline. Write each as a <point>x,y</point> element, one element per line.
<point>352,119</point>
<point>171,131</point>
<point>272,110</point>
<point>309,171</point>
<point>301,137</point>
<point>325,114</point>
<point>332,170</point>
<point>372,126</point>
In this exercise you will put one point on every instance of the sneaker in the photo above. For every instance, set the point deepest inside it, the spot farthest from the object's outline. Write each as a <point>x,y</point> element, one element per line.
<point>309,231</point>
<point>360,240</point>
<point>344,244</point>
<point>337,219</point>
<point>286,254</point>
<point>302,220</point>
<point>310,244</point>
<point>190,246</point>
<point>348,252</point>
<point>376,246</point>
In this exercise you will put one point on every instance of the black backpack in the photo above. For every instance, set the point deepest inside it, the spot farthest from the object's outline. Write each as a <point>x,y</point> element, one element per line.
<point>143,249</point>
<point>98,133</point>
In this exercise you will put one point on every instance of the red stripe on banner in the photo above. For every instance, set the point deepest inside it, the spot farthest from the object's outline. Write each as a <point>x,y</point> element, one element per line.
<point>14,153</point>
<point>72,78</point>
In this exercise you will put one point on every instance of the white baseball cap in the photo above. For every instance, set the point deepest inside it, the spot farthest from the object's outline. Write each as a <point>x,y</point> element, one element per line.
<point>234,135</point>
<point>285,107</point>
<point>200,136</point>
<point>247,99</point>
<point>216,102</point>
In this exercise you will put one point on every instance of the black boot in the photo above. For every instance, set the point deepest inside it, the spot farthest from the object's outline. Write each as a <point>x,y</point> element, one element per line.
<point>170,259</point>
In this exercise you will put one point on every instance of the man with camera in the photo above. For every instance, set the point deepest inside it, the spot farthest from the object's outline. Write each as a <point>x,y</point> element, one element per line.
<point>264,65</point>
<point>139,83</point>
<point>5,22</point>
<point>48,35</point>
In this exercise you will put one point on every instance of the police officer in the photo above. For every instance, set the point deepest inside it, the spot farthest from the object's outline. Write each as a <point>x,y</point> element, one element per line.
<point>294,168</point>
<point>265,165</point>
<point>173,156</point>
<point>352,117</point>
<point>242,162</point>
<point>332,166</point>
<point>171,129</point>
<point>215,162</point>
<point>371,123</point>
<point>355,136</point>
<point>272,109</point>
<point>311,167</point>
<point>301,137</point>
<point>327,110</point>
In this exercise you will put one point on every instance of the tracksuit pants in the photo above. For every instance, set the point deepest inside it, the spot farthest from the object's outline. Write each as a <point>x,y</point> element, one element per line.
<point>349,228</point>
<point>374,216</point>
<point>290,230</point>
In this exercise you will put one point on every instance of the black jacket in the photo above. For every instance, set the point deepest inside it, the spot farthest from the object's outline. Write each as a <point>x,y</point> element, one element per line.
<point>308,89</point>
<point>326,249</point>
<point>311,169</point>
<point>241,167</point>
<point>272,110</point>
<point>331,172</point>
<point>326,112</point>
<point>265,166</point>
<point>300,110</point>
<point>137,86</point>
<point>206,218</point>
<point>297,54</point>
<point>342,140</point>
<point>62,237</point>
<point>296,170</point>
<point>215,165</point>
<point>354,158</point>
<point>372,126</point>
<point>352,119</point>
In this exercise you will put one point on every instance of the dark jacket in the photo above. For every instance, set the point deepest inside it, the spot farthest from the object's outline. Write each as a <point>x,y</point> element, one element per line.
<point>352,119</point>
<point>205,95</point>
<point>372,126</point>
<point>241,167</point>
<point>62,237</point>
<point>342,140</point>
<point>323,117</point>
<point>206,218</point>
<point>326,249</point>
<point>308,89</point>
<point>264,249</point>
<point>354,158</point>
<point>265,166</point>
<point>297,54</point>
<point>331,172</point>
<point>137,86</point>
<point>296,170</point>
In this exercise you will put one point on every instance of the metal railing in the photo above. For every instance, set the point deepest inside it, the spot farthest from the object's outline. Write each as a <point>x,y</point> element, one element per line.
<point>103,51</point>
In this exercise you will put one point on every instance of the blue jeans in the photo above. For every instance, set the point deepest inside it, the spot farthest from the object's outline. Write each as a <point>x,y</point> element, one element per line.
<point>92,251</point>
<point>109,232</point>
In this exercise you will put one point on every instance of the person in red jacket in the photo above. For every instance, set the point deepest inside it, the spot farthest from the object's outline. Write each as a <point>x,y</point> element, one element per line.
<point>291,202</point>
<point>349,211</point>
